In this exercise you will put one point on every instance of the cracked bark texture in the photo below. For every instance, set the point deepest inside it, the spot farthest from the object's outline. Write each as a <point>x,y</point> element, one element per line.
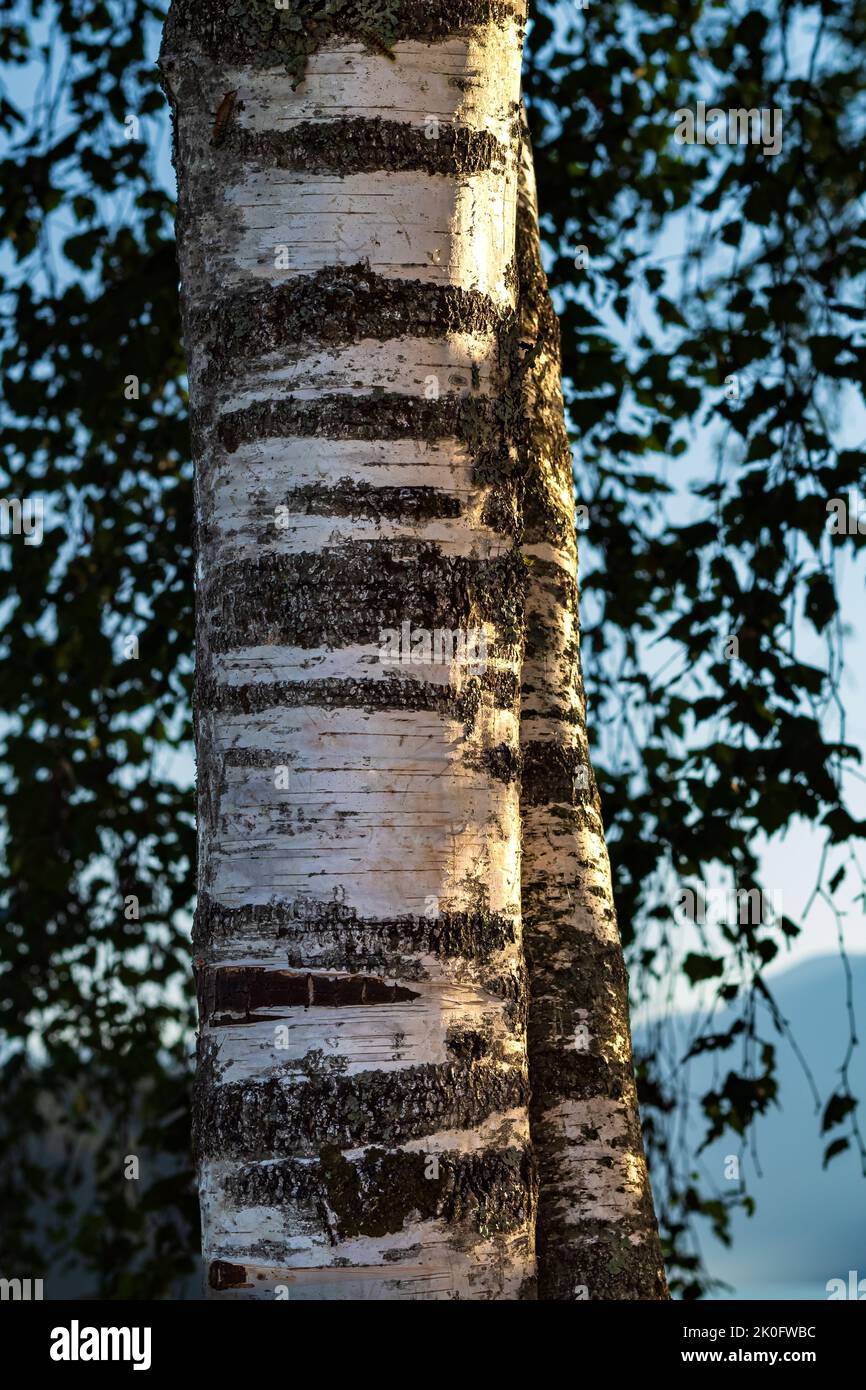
<point>346,230</point>
<point>596,1229</point>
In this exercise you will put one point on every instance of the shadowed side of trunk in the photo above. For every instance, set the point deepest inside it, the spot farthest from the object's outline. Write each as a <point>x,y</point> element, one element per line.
<point>596,1230</point>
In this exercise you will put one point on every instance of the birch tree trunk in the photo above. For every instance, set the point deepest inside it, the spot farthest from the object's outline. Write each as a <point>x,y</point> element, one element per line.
<point>597,1236</point>
<point>346,247</point>
<point>375,399</point>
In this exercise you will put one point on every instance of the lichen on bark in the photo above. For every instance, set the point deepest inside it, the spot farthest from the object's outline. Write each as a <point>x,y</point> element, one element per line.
<point>258,32</point>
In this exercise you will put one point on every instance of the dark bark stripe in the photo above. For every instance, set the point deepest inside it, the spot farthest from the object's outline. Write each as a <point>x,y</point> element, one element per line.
<point>386,416</point>
<point>254,757</point>
<point>598,1257</point>
<point>255,30</point>
<point>337,306</point>
<point>340,597</point>
<point>501,763</point>
<point>232,994</point>
<point>485,424</point>
<point>362,501</point>
<point>553,772</point>
<point>360,145</point>
<point>392,693</point>
<point>280,1119</point>
<point>576,1075</point>
<point>491,1190</point>
<point>570,972</point>
<point>334,936</point>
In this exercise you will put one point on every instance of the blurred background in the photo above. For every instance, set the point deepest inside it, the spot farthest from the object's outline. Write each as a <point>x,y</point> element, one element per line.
<point>712,309</point>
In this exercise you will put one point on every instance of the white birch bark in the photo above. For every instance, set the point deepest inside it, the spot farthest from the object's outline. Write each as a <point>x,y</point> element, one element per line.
<point>347,262</point>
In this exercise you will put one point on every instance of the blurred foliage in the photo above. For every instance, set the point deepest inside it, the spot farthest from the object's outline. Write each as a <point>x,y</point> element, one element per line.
<point>94,992</point>
<point>704,262</point>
